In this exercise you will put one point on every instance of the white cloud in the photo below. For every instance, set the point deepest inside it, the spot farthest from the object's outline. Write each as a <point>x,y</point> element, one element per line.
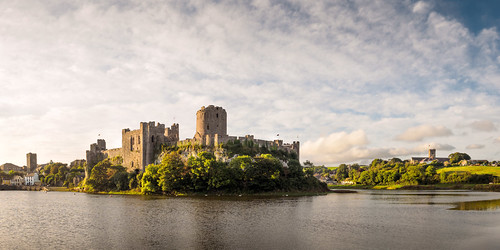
<point>423,131</point>
<point>483,125</point>
<point>475,146</point>
<point>336,142</point>
<point>433,145</point>
<point>421,7</point>
<point>345,147</point>
<point>300,69</point>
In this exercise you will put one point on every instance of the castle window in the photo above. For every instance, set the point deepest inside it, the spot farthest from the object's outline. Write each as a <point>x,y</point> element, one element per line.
<point>152,138</point>
<point>217,115</point>
<point>131,143</point>
<point>208,128</point>
<point>132,164</point>
<point>139,139</point>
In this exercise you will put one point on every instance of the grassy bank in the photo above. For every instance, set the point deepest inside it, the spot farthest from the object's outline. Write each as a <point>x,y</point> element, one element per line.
<point>475,187</point>
<point>495,171</point>
<point>264,194</point>
<point>59,189</point>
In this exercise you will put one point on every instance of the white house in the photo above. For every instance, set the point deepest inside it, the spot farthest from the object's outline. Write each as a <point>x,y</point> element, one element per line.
<point>31,179</point>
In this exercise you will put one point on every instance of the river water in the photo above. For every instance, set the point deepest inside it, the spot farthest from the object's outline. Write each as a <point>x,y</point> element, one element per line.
<point>368,219</point>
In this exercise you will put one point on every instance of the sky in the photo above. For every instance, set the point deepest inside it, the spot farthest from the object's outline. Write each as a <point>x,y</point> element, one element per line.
<point>351,80</point>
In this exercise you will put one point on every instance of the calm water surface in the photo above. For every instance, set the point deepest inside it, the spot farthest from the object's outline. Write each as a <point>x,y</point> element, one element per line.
<point>364,220</point>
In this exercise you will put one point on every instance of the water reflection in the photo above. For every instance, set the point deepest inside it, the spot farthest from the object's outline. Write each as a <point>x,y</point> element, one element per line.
<point>368,219</point>
<point>478,205</point>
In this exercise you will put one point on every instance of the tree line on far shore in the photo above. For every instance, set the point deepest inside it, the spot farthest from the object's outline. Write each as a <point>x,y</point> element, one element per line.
<point>396,171</point>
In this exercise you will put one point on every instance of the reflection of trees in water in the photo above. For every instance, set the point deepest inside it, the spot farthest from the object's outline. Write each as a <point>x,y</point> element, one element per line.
<point>478,205</point>
<point>225,222</point>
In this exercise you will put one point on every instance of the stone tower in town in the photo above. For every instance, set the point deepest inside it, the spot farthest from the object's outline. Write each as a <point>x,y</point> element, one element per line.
<point>432,153</point>
<point>211,125</point>
<point>31,162</point>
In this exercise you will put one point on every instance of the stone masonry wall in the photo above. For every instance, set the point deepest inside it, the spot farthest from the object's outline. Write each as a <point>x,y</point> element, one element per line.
<point>132,144</point>
<point>31,162</point>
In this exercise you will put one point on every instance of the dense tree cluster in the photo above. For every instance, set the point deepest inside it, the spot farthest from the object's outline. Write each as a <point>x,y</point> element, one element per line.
<point>248,147</point>
<point>457,157</point>
<point>395,171</point>
<point>57,174</point>
<point>10,174</point>
<point>204,174</point>
<point>108,177</point>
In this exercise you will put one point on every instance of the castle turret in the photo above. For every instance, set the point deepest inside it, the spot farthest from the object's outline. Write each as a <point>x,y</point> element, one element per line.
<point>211,121</point>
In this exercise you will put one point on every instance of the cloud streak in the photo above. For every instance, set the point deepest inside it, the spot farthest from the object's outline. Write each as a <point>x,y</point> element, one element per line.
<point>301,69</point>
<point>423,131</point>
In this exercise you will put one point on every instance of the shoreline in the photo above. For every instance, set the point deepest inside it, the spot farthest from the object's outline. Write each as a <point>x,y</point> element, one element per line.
<point>471,187</point>
<point>138,193</point>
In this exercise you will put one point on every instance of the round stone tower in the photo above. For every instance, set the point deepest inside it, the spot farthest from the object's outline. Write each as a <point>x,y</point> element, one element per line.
<point>210,121</point>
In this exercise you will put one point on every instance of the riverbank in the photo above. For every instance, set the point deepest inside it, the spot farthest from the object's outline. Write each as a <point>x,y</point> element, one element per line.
<point>264,194</point>
<point>472,187</point>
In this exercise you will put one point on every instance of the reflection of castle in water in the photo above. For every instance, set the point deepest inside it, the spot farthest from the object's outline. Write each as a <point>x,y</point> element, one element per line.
<point>139,146</point>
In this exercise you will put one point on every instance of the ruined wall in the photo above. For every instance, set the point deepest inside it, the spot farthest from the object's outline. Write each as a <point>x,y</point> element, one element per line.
<point>154,136</point>
<point>94,156</point>
<point>172,134</point>
<point>79,162</point>
<point>112,153</point>
<point>140,146</point>
<point>31,162</point>
<point>132,144</point>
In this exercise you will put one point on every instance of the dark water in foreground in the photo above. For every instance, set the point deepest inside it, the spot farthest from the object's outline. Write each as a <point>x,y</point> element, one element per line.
<point>365,220</point>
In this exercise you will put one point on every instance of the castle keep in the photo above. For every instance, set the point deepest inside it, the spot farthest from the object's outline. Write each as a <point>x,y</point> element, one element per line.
<point>139,147</point>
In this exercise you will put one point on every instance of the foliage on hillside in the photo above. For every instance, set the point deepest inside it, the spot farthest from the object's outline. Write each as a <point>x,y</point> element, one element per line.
<point>395,171</point>
<point>243,174</point>
<point>248,147</point>
<point>57,174</point>
<point>108,177</point>
<point>204,174</point>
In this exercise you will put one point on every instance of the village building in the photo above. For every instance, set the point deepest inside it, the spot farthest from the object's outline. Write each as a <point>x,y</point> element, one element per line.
<point>32,179</point>
<point>17,181</point>
<point>9,166</point>
<point>432,157</point>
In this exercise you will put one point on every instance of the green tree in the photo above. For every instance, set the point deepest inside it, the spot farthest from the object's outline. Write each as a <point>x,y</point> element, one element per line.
<point>119,181</point>
<point>457,157</point>
<point>264,174</point>
<point>342,172</point>
<point>149,181</point>
<point>174,174</point>
<point>414,175</point>
<point>308,164</point>
<point>98,180</point>
<point>201,167</point>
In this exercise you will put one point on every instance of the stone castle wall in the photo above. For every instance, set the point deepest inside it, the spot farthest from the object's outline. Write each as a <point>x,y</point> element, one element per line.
<point>140,146</point>
<point>131,150</point>
<point>211,130</point>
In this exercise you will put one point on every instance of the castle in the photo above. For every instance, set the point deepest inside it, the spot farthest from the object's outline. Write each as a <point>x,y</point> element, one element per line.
<point>140,146</point>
